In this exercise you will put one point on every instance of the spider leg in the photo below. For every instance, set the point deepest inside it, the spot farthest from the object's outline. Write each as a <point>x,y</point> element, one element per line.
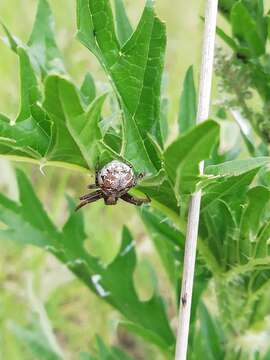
<point>135,201</point>
<point>89,198</point>
<point>86,196</point>
<point>92,186</point>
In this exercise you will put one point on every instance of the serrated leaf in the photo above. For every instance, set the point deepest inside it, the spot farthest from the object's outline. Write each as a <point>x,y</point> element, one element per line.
<point>123,26</point>
<point>28,222</point>
<point>40,133</point>
<point>31,131</point>
<point>42,45</point>
<point>141,61</point>
<point>113,283</point>
<point>183,156</point>
<point>188,103</point>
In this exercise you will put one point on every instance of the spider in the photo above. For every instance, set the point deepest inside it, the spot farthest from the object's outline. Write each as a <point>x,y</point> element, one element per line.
<point>113,181</point>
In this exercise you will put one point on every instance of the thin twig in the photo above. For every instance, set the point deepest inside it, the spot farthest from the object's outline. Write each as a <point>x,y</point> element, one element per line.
<point>195,202</point>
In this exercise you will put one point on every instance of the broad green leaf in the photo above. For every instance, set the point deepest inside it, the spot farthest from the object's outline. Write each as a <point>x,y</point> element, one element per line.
<point>83,126</point>
<point>162,193</point>
<point>96,30</point>
<point>183,156</point>
<point>149,315</point>
<point>188,103</point>
<point>63,146</point>
<point>141,61</point>
<point>42,45</point>
<point>113,283</point>
<point>226,188</point>
<point>237,167</point>
<point>168,242</point>
<point>40,133</point>
<point>258,198</point>
<point>88,90</point>
<point>123,26</point>
<point>245,29</point>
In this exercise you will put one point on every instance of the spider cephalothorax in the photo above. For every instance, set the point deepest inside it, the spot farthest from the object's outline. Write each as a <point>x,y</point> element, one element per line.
<point>113,182</point>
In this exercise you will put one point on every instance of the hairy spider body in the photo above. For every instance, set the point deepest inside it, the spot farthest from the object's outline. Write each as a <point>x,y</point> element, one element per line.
<point>113,182</point>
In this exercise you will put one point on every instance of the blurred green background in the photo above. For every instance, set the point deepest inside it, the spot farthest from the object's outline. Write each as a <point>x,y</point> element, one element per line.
<point>32,283</point>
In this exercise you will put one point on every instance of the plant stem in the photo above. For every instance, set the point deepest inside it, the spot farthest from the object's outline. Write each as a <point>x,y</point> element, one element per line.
<point>195,202</point>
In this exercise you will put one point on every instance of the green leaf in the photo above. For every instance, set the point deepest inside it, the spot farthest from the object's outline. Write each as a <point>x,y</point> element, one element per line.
<point>123,26</point>
<point>210,332</point>
<point>28,222</point>
<point>140,60</point>
<point>219,229</point>
<point>30,133</point>
<point>88,90</point>
<point>12,41</point>
<point>168,242</point>
<point>258,198</point>
<point>188,103</point>
<point>83,126</point>
<point>245,29</point>
<point>183,156</point>
<point>237,167</point>
<point>162,193</point>
<point>63,146</point>
<point>113,283</point>
<point>226,188</point>
<point>227,39</point>
<point>40,133</point>
<point>42,45</point>
<point>262,242</point>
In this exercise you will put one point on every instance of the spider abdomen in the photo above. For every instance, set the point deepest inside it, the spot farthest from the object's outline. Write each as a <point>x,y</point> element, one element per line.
<point>116,178</point>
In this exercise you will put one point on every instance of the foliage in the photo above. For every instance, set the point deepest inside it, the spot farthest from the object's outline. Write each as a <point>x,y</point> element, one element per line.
<point>62,124</point>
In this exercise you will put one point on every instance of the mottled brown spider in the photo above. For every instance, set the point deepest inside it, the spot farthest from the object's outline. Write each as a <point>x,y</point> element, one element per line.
<point>113,182</point>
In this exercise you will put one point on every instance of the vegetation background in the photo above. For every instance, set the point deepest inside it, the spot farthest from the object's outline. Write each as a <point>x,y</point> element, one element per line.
<point>33,285</point>
<point>75,313</point>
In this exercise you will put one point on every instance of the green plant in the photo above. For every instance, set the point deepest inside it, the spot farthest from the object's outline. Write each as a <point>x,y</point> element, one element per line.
<point>60,124</point>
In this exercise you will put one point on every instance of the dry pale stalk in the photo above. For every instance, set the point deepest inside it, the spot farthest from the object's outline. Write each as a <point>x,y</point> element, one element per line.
<point>195,202</point>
